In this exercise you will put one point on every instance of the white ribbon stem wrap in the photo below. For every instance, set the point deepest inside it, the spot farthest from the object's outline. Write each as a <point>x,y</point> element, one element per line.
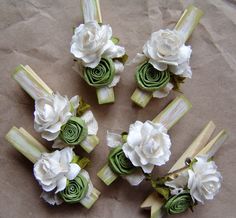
<point>25,144</point>
<point>105,95</point>
<point>188,21</point>
<point>31,82</point>
<point>173,112</point>
<point>91,10</point>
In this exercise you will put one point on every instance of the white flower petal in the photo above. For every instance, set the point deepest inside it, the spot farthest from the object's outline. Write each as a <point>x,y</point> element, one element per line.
<point>91,122</point>
<point>75,102</point>
<point>138,59</point>
<point>113,139</point>
<point>115,81</point>
<point>73,172</point>
<point>61,184</point>
<point>135,178</point>
<point>163,92</point>
<point>51,198</point>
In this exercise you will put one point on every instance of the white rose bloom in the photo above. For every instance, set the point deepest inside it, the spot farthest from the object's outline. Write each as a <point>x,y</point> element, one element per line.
<point>53,169</point>
<point>148,144</point>
<point>166,48</point>
<point>51,112</point>
<point>204,180</point>
<point>91,40</point>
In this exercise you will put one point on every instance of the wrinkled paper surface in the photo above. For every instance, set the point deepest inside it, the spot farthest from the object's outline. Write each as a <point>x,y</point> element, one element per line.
<point>38,33</point>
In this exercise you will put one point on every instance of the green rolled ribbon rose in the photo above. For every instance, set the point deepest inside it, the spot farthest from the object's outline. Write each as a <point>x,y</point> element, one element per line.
<point>102,75</point>
<point>75,190</point>
<point>74,131</point>
<point>178,203</point>
<point>151,79</point>
<point>119,163</point>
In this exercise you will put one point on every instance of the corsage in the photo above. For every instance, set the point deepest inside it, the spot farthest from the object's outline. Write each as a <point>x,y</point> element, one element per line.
<point>164,63</point>
<point>193,179</point>
<point>99,59</point>
<point>69,122</point>
<point>146,145</point>
<point>60,174</point>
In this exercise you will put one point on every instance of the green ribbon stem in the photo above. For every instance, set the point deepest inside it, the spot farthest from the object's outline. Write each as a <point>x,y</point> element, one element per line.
<point>31,82</point>
<point>89,200</point>
<point>107,175</point>
<point>25,144</point>
<point>188,21</point>
<point>91,10</point>
<point>173,112</point>
<point>105,95</point>
<point>141,97</point>
<point>89,143</point>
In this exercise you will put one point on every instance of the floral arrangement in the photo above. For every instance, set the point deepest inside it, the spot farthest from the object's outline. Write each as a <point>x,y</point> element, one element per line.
<point>164,63</point>
<point>147,144</point>
<point>98,58</point>
<point>193,179</point>
<point>69,122</point>
<point>60,173</point>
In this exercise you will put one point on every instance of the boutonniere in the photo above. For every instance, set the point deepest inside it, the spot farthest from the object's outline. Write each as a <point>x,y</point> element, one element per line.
<point>164,63</point>
<point>68,121</point>
<point>147,144</point>
<point>193,179</point>
<point>60,174</point>
<point>99,59</point>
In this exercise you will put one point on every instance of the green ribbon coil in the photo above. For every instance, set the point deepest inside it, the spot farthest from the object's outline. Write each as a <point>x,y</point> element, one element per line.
<point>119,163</point>
<point>151,79</point>
<point>102,75</point>
<point>178,203</point>
<point>75,190</point>
<point>74,131</point>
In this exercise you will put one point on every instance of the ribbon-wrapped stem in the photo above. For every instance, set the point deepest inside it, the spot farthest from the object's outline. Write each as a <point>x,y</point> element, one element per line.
<point>188,21</point>
<point>25,144</point>
<point>31,82</point>
<point>141,97</point>
<point>168,117</point>
<point>105,95</point>
<point>91,10</point>
<point>198,147</point>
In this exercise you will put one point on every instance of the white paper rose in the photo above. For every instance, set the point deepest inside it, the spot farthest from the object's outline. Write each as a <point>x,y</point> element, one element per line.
<point>53,169</point>
<point>204,180</point>
<point>51,112</point>
<point>91,40</point>
<point>166,48</point>
<point>148,144</point>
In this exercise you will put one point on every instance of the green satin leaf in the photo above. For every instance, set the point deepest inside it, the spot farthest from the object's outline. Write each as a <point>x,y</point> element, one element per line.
<point>74,131</point>
<point>75,190</point>
<point>115,40</point>
<point>124,136</point>
<point>165,192</point>
<point>119,163</point>
<point>160,188</point>
<point>83,162</point>
<point>102,75</point>
<point>179,203</point>
<point>123,59</point>
<point>83,107</point>
<point>177,81</point>
<point>151,79</point>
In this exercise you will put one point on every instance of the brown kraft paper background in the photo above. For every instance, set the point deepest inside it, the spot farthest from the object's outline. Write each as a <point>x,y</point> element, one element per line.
<point>38,33</point>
